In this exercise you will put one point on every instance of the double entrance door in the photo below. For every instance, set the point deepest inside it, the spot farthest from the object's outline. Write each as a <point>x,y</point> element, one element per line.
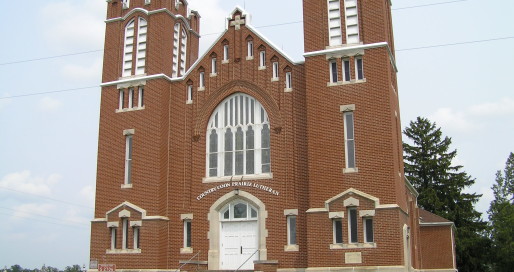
<point>238,243</point>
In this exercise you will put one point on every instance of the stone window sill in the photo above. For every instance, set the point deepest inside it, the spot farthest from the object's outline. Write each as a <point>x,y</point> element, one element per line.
<point>130,109</point>
<point>292,248</point>
<point>350,170</point>
<point>352,246</point>
<point>340,83</point>
<point>123,251</point>
<point>238,178</point>
<point>126,186</point>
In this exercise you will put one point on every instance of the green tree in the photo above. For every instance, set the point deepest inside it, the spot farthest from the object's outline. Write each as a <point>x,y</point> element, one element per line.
<point>428,166</point>
<point>74,268</point>
<point>501,216</point>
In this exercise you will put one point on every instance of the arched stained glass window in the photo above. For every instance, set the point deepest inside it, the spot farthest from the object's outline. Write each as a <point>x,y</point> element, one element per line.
<point>238,138</point>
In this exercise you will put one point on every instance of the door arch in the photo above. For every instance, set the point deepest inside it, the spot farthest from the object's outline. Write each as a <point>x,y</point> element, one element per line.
<point>217,223</point>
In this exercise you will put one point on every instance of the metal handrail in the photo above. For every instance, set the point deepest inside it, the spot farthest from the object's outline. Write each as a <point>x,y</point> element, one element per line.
<point>246,261</point>
<point>178,269</point>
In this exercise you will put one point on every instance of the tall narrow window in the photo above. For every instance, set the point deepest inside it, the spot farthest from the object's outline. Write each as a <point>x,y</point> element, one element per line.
<point>125,4</point>
<point>368,229</point>
<point>359,69</point>
<point>201,82</point>
<point>346,70</point>
<point>238,141</point>
<point>141,47</point>
<point>187,233</point>
<point>275,70</point>
<point>128,49</point>
<point>183,52</point>
<point>291,230</point>
<point>136,238</point>
<point>333,71</point>
<point>125,225</point>
<point>250,49</point>
<point>349,139</point>
<point>289,81</point>
<point>140,97</point>
<point>338,230</point>
<point>214,69</point>
<point>352,21</point>
<point>352,225</point>
<point>225,52</point>
<point>121,99</point>
<point>131,98</point>
<point>128,159</point>
<point>189,94</point>
<point>176,33</point>
<point>262,58</point>
<point>113,237</point>
<point>334,22</point>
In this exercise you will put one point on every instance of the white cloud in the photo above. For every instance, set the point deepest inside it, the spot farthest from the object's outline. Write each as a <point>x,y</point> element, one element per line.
<point>473,117</point>
<point>89,71</point>
<point>71,24</point>
<point>25,182</point>
<point>32,210</point>
<point>49,104</point>
<point>74,217</point>
<point>451,119</point>
<point>5,101</point>
<point>212,21</point>
<point>88,193</point>
<point>503,107</point>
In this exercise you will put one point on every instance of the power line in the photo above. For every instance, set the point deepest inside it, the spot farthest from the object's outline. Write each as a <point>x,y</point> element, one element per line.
<point>45,197</point>
<point>398,50</point>
<point>51,57</point>
<point>427,5</point>
<point>453,44</point>
<point>213,33</point>
<point>39,215</point>
<point>53,223</point>
<point>56,91</point>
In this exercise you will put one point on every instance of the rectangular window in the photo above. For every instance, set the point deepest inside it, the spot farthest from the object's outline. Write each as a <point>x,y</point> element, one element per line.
<point>187,233</point>
<point>136,238</point>
<point>202,80</point>
<point>359,69</point>
<point>189,93</point>
<point>334,22</point>
<point>120,103</point>
<point>352,225</point>
<point>125,224</point>
<point>352,21</point>
<point>262,58</point>
<point>368,230</point>
<point>250,48</point>
<point>140,97</point>
<point>113,238</point>
<point>349,139</point>
<point>128,159</point>
<point>131,98</point>
<point>338,230</point>
<point>333,71</point>
<point>275,69</point>
<point>225,52</point>
<point>214,69</point>
<point>289,83</point>
<point>125,4</point>
<point>291,230</point>
<point>346,70</point>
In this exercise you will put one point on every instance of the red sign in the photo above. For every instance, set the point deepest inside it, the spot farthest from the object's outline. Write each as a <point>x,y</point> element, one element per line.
<point>107,267</point>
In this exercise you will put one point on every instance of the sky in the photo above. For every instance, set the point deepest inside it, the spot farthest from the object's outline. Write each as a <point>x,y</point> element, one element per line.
<point>455,68</point>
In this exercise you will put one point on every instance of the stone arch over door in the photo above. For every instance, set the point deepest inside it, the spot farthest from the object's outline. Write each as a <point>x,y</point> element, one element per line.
<point>214,225</point>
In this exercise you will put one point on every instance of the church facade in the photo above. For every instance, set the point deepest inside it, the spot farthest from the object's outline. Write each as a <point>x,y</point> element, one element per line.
<point>244,159</point>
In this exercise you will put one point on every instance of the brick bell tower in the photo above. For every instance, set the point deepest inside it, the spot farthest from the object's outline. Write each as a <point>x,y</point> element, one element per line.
<point>149,46</point>
<point>354,136</point>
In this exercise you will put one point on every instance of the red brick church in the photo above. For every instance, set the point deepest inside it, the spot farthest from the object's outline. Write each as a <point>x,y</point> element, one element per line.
<point>244,159</point>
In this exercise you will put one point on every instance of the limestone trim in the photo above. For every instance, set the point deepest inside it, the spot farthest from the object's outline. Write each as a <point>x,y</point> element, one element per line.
<point>134,207</point>
<point>360,268</point>
<point>214,225</point>
<point>148,13</point>
<point>354,50</point>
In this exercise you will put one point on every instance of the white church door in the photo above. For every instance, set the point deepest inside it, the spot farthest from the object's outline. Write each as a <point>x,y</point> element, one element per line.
<point>239,236</point>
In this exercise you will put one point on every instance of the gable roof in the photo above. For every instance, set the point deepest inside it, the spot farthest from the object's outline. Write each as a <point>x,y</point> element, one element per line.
<point>426,217</point>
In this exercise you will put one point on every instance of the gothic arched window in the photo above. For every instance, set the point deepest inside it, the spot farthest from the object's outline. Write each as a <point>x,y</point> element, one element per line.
<point>135,42</point>
<point>238,138</point>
